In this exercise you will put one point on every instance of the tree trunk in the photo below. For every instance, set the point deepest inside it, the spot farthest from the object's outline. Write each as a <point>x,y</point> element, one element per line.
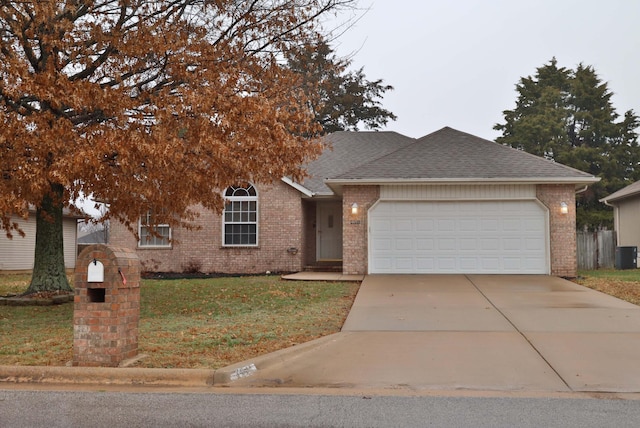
<point>48,267</point>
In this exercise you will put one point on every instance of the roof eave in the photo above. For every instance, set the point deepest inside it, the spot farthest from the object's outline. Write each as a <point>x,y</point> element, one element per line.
<point>336,184</point>
<point>299,187</point>
<point>609,200</point>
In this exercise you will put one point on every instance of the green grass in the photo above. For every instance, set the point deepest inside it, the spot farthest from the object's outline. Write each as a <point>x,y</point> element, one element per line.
<point>623,275</point>
<point>623,284</point>
<point>194,323</point>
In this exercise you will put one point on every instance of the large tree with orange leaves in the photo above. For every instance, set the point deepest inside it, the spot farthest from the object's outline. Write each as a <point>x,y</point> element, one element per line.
<point>147,105</point>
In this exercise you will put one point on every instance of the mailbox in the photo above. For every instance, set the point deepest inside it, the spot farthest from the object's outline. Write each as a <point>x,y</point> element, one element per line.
<point>95,271</point>
<point>106,309</point>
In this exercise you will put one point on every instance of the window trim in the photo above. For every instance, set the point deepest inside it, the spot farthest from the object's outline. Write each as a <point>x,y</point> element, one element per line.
<point>241,199</point>
<point>143,245</point>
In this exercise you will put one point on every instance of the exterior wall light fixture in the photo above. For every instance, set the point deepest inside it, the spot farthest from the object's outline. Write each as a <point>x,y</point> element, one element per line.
<point>564,208</point>
<point>354,208</point>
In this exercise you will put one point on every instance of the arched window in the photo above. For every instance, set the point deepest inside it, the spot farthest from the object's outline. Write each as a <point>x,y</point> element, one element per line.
<point>240,216</point>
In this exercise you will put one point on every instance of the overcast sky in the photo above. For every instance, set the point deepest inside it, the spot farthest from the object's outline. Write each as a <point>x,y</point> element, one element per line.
<point>456,63</point>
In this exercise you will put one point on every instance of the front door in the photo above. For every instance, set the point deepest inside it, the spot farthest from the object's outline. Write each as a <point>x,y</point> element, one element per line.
<point>329,230</point>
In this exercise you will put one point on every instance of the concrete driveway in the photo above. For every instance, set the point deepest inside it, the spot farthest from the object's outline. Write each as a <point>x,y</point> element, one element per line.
<point>474,332</point>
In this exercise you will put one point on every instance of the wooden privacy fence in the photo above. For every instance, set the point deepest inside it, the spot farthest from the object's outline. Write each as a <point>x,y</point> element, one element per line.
<point>596,250</point>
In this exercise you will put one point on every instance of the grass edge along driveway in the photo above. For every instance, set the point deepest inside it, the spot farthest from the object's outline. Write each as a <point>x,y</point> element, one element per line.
<point>188,323</point>
<point>214,322</point>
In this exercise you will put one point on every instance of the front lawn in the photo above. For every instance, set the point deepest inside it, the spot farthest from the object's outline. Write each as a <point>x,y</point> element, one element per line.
<point>623,284</point>
<point>188,323</point>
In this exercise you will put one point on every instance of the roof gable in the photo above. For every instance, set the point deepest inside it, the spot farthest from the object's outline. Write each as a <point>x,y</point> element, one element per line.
<point>447,155</point>
<point>451,154</point>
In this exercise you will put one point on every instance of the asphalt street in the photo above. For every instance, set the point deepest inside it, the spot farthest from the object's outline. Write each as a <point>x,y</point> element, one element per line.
<point>96,409</point>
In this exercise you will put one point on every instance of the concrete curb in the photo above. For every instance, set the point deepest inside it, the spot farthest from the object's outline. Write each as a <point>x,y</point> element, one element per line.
<point>155,377</point>
<point>229,374</point>
<point>106,376</point>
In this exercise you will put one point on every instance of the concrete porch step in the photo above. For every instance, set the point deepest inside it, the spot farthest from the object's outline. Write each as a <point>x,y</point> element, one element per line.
<point>324,267</point>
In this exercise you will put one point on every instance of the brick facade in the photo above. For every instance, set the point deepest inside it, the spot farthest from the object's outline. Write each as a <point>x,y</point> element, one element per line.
<point>562,227</point>
<point>355,242</point>
<point>294,228</point>
<point>280,231</point>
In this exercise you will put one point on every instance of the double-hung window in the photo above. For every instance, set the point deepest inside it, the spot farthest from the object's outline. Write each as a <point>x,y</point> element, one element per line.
<point>240,216</point>
<point>153,235</point>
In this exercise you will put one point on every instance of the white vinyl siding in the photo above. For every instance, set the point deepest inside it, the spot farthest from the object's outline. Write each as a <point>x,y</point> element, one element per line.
<point>461,192</point>
<point>18,253</point>
<point>485,237</point>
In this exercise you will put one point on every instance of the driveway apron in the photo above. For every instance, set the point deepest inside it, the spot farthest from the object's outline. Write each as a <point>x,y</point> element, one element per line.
<point>476,332</point>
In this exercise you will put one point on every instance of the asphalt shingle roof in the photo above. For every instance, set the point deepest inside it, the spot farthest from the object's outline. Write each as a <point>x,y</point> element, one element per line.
<point>446,154</point>
<point>625,192</point>
<point>347,150</point>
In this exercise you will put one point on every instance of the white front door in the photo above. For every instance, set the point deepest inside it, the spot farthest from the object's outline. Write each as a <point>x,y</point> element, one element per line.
<point>329,231</point>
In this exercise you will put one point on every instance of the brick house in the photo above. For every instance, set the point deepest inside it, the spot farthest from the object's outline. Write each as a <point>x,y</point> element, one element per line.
<point>381,202</point>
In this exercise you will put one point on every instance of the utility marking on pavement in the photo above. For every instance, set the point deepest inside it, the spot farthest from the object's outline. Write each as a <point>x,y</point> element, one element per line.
<point>243,372</point>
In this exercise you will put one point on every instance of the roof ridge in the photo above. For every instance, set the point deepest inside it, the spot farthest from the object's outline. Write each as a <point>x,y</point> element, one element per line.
<point>509,148</point>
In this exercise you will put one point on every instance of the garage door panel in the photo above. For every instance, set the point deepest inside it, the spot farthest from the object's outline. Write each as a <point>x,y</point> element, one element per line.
<point>488,244</point>
<point>489,225</point>
<point>423,225</point>
<point>511,225</point>
<point>533,244</point>
<point>382,244</point>
<point>446,264</point>
<point>424,264</point>
<point>458,237</point>
<point>468,244</point>
<point>404,244</point>
<point>468,263</point>
<point>381,225</point>
<point>424,244</point>
<point>512,244</point>
<point>532,224</point>
<point>446,225</point>
<point>447,244</point>
<point>470,225</point>
<point>490,264</point>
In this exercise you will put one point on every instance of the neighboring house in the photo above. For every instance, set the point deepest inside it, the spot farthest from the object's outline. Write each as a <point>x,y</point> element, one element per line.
<point>95,237</point>
<point>381,202</point>
<point>17,254</point>
<point>626,209</point>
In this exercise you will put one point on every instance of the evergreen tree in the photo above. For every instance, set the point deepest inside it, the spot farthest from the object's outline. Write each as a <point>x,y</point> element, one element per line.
<point>341,100</point>
<point>567,116</point>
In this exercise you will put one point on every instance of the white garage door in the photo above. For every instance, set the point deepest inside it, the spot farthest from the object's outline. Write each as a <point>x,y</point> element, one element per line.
<point>487,237</point>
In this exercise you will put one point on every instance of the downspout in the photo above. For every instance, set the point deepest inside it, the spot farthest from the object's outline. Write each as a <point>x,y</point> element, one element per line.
<point>616,220</point>
<point>583,189</point>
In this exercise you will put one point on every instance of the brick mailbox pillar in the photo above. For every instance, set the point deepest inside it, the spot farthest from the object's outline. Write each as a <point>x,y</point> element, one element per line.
<point>106,308</point>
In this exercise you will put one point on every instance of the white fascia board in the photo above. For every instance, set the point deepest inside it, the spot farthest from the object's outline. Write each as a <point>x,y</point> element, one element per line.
<point>578,181</point>
<point>613,201</point>
<point>299,187</point>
